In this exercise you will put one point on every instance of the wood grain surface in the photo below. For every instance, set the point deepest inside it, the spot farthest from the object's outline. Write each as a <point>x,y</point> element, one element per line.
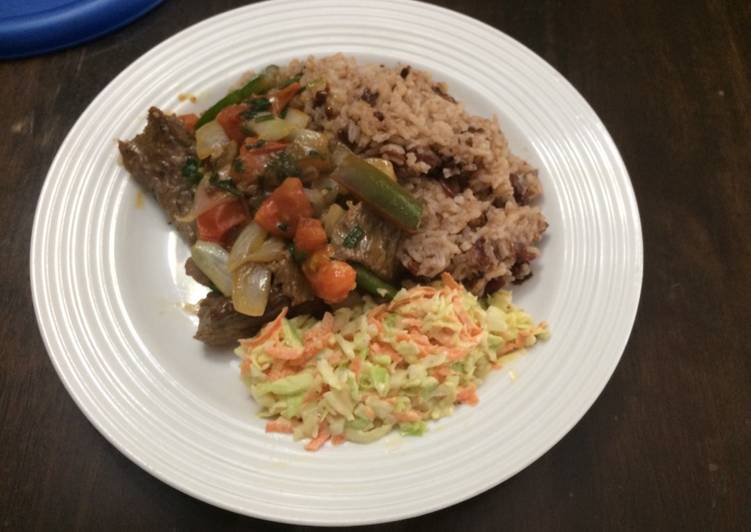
<point>668,444</point>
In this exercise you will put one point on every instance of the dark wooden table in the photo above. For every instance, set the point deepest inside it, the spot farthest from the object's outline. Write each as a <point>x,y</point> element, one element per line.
<point>668,444</point>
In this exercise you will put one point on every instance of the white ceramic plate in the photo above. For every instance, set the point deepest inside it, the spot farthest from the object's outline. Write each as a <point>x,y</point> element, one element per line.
<point>108,284</point>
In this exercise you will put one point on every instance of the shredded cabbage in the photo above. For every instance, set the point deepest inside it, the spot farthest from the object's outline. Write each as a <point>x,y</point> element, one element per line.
<point>366,370</point>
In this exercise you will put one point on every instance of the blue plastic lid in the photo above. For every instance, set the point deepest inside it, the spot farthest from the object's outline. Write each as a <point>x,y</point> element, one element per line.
<point>30,27</point>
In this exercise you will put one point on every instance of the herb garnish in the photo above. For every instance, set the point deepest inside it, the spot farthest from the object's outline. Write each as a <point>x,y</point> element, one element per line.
<point>226,185</point>
<point>191,171</point>
<point>353,237</point>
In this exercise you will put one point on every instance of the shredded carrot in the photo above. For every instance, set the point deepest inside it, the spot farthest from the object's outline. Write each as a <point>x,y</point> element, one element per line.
<point>314,345</point>
<point>456,354</point>
<point>319,335</point>
<point>377,311</point>
<point>356,366</point>
<point>375,317</point>
<point>338,439</point>
<point>278,371</point>
<point>378,325</point>
<point>385,349</point>
<point>245,366</point>
<point>415,293</point>
<point>517,343</point>
<point>334,357</point>
<point>409,416</point>
<point>283,352</point>
<point>311,395</point>
<point>266,333</point>
<point>468,395</point>
<point>472,328</point>
<point>280,425</point>
<point>317,442</point>
<point>411,322</point>
<point>441,372</point>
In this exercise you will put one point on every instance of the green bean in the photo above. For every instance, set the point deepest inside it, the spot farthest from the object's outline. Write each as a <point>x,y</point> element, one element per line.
<point>371,283</point>
<point>377,190</point>
<point>259,84</point>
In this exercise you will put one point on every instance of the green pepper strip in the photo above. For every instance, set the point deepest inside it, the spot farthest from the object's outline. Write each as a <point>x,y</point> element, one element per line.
<point>377,190</point>
<point>259,84</point>
<point>370,282</point>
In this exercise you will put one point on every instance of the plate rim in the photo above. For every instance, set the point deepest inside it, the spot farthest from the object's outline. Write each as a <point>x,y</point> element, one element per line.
<point>48,334</point>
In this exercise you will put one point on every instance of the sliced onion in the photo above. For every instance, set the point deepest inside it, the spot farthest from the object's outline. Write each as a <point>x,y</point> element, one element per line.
<point>306,141</point>
<point>224,161</point>
<point>250,240</point>
<point>329,189</point>
<point>251,285</point>
<point>211,140</point>
<point>206,198</point>
<point>296,118</point>
<point>321,194</point>
<point>212,260</point>
<point>332,215</point>
<point>316,200</point>
<point>273,129</point>
<point>383,165</point>
<point>272,249</point>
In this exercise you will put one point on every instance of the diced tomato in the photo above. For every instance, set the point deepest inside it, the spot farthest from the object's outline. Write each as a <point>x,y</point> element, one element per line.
<point>230,118</point>
<point>335,281</point>
<point>251,161</point>
<point>292,199</point>
<point>310,235</point>
<point>331,280</point>
<point>214,224</point>
<point>247,167</point>
<point>267,216</point>
<point>280,100</point>
<point>316,261</point>
<point>280,212</point>
<point>189,121</point>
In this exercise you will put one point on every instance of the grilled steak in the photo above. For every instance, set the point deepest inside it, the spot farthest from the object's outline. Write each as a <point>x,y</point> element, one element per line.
<point>220,325</point>
<point>155,159</point>
<point>290,281</point>
<point>192,270</point>
<point>376,247</point>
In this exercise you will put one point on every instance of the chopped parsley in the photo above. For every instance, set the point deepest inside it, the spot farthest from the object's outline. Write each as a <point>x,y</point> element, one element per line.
<point>226,185</point>
<point>191,171</point>
<point>255,106</point>
<point>353,237</point>
<point>298,255</point>
<point>281,166</point>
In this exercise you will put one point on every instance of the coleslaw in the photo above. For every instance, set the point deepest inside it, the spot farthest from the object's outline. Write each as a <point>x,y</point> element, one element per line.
<point>365,370</point>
